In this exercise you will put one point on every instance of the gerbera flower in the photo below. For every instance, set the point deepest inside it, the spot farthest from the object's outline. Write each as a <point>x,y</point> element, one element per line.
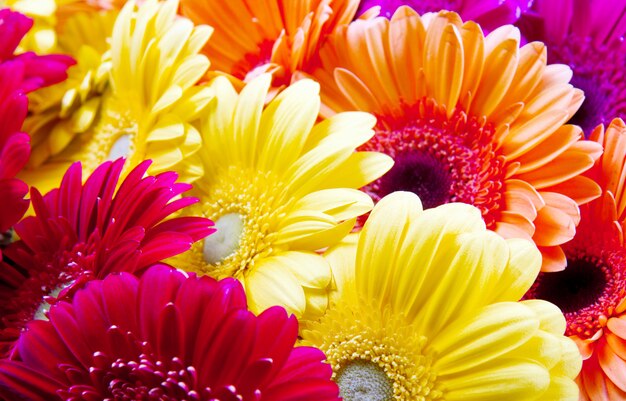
<point>60,113</point>
<point>488,14</point>
<point>468,119</point>
<point>164,336</point>
<point>427,309</point>
<point>281,37</point>
<point>591,291</point>
<point>589,37</point>
<point>49,19</point>
<point>19,74</point>
<point>14,148</point>
<point>151,99</point>
<point>279,188</point>
<point>84,231</point>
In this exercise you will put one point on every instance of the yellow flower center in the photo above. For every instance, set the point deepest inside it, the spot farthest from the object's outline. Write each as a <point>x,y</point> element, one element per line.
<point>247,206</point>
<point>113,137</point>
<point>375,356</point>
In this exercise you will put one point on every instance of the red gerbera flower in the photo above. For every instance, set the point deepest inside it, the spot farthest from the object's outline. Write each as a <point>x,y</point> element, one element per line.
<point>164,337</point>
<point>86,231</point>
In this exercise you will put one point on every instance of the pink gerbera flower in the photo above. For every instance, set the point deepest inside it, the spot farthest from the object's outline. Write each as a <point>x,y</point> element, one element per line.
<point>589,37</point>
<point>489,14</point>
<point>39,71</point>
<point>18,74</point>
<point>85,231</point>
<point>14,148</point>
<point>164,337</point>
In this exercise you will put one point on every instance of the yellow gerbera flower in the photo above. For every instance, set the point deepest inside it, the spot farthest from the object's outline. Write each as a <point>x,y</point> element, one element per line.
<point>426,310</point>
<point>50,17</point>
<point>151,99</point>
<point>279,187</point>
<point>60,112</point>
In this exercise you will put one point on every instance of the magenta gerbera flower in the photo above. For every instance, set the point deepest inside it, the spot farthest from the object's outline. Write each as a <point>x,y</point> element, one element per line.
<point>14,148</point>
<point>589,37</point>
<point>165,336</point>
<point>19,74</point>
<point>488,13</point>
<point>39,71</point>
<point>85,231</point>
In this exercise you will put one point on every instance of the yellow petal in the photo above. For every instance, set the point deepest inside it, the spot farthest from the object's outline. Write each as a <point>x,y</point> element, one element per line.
<point>477,340</point>
<point>269,284</point>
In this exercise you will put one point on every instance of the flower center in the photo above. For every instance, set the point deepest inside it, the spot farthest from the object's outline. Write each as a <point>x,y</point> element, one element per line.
<point>599,72</point>
<point>44,307</point>
<point>144,377</point>
<point>442,159</point>
<point>120,148</point>
<point>420,173</point>
<point>225,241</point>
<point>375,355</point>
<point>251,63</point>
<point>591,112</point>
<point>587,291</point>
<point>364,381</point>
<point>246,207</point>
<point>113,136</point>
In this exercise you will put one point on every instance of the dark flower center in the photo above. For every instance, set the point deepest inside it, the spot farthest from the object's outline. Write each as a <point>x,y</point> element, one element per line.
<point>421,174</point>
<point>599,72</point>
<point>440,157</point>
<point>588,290</point>
<point>591,112</point>
<point>578,286</point>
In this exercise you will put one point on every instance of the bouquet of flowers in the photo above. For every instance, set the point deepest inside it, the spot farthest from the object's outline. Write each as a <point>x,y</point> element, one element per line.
<point>312,200</point>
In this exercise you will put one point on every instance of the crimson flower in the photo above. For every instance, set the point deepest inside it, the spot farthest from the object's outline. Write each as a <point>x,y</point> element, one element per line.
<point>19,74</point>
<point>14,146</point>
<point>85,231</point>
<point>165,336</point>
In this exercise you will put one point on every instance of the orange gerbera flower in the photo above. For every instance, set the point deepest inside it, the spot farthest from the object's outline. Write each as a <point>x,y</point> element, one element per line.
<point>277,36</point>
<point>591,291</point>
<point>467,118</point>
